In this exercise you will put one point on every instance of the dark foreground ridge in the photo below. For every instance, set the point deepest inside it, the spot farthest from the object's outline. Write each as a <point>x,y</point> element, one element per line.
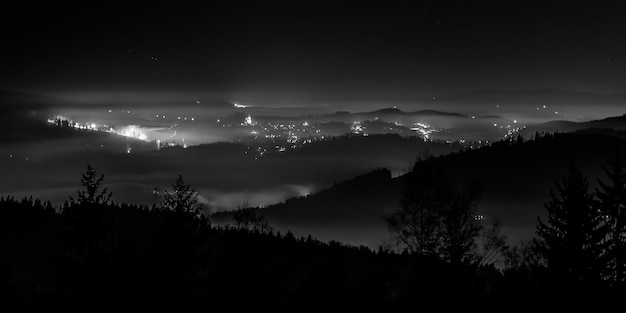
<point>93,254</point>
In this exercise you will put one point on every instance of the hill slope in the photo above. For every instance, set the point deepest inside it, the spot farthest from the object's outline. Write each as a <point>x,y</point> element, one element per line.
<point>515,180</point>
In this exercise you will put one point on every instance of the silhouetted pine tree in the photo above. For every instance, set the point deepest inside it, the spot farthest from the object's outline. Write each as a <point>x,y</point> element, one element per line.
<point>570,241</point>
<point>87,221</point>
<point>612,204</point>
<point>92,193</point>
<point>182,198</point>
<point>182,231</point>
<point>86,272</point>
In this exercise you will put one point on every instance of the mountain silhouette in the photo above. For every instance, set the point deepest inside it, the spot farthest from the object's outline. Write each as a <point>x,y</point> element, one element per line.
<point>514,178</point>
<point>616,123</point>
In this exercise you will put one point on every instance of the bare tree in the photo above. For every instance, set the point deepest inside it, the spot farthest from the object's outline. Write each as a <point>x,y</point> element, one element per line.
<point>250,219</point>
<point>494,247</point>
<point>435,220</point>
<point>459,228</point>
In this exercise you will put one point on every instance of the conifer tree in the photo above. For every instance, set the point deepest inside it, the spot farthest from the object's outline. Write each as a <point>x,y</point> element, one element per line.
<point>570,240</point>
<point>612,205</point>
<point>182,199</point>
<point>92,193</point>
<point>87,220</point>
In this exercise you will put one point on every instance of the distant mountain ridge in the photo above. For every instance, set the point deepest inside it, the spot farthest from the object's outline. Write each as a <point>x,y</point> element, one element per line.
<point>615,123</point>
<point>393,111</point>
<point>515,179</point>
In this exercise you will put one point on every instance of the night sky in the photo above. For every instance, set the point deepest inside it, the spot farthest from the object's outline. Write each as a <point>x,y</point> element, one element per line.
<point>314,53</point>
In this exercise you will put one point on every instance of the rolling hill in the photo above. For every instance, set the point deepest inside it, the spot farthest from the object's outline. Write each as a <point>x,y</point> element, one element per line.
<point>515,179</point>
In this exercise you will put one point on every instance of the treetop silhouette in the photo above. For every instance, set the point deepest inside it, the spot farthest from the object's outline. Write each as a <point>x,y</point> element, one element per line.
<point>182,199</point>
<point>571,238</point>
<point>92,194</point>
<point>612,205</point>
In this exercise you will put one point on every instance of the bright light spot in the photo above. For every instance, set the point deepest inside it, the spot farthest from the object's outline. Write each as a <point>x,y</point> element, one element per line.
<point>239,106</point>
<point>248,120</point>
<point>132,131</point>
<point>423,129</point>
<point>305,124</point>
<point>356,127</point>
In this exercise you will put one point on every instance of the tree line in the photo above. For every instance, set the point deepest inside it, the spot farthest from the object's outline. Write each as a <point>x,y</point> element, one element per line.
<point>97,254</point>
<point>580,248</point>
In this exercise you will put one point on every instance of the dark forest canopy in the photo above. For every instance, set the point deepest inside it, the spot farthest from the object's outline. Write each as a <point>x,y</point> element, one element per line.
<point>92,251</point>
